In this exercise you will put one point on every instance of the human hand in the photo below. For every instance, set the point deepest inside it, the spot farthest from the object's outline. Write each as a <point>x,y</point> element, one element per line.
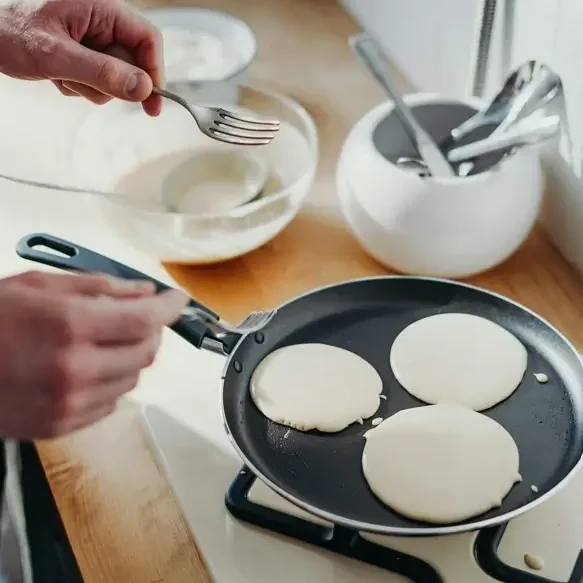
<point>72,345</point>
<point>98,49</point>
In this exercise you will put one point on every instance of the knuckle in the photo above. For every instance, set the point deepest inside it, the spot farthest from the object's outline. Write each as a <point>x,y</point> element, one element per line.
<point>69,325</point>
<point>34,278</point>
<point>150,356</point>
<point>49,51</point>
<point>69,373</point>
<point>139,324</point>
<point>100,283</point>
<point>156,36</point>
<point>106,72</point>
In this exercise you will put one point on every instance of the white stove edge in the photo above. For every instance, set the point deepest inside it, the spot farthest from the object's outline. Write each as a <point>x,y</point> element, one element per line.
<point>200,465</point>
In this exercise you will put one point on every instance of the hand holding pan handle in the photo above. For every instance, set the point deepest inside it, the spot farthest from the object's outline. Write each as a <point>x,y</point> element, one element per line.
<point>55,252</point>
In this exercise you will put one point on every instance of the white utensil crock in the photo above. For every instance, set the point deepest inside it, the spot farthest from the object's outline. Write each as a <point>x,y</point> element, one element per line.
<point>442,227</point>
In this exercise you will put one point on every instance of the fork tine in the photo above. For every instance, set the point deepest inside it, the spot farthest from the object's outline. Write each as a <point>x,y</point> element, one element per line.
<point>257,320</point>
<point>237,140</point>
<point>253,130</point>
<point>268,123</point>
<point>244,132</point>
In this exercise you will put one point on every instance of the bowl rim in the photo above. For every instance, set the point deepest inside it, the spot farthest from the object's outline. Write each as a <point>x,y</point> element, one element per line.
<point>312,138</point>
<point>240,69</point>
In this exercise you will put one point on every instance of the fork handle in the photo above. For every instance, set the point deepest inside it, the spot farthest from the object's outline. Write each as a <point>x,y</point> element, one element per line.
<point>55,252</point>
<point>172,96</point>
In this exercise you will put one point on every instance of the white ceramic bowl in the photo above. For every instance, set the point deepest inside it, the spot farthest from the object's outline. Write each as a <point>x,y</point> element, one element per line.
<point>119,138</point>
<point>453,227</point>
<point>181,27</point>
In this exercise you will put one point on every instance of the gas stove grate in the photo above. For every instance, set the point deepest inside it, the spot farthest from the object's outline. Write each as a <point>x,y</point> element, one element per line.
<point>349,543</point>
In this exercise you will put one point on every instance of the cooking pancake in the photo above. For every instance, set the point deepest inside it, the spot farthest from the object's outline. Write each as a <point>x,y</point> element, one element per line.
<point>440,463</point>
<point>458,359</point>
<point>316,386</point>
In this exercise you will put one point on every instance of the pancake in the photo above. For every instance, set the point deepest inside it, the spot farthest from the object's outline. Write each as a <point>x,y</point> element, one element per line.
<point>458,359</point>
<point>316,386</point>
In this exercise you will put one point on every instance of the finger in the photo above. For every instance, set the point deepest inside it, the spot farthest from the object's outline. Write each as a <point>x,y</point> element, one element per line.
<point>136,32</point>
<point>153,104</point>
<point>64,90</point>
<point>89,284</point>
<point>99,394</point>
<point>91,366</point>
<point>108,75</point>
<point>87,92</point>
<point>133,320</point>
<point>113,362</point>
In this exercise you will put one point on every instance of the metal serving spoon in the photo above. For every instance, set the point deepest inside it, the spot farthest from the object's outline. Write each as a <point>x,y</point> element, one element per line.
<point>250,171</point>
<point>529,88</point>
<point>370,54</point>
<point>512,138</point>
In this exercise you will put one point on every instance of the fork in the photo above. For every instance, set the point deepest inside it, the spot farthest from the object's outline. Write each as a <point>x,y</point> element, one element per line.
<point>224,125</point>
<point>252,323</point>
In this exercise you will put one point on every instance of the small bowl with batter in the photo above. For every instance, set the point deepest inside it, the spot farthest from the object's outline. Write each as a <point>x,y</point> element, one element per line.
<point>119,148</point>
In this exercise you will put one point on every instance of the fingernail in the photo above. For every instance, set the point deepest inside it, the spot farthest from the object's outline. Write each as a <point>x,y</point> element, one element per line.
<point>132,85</point>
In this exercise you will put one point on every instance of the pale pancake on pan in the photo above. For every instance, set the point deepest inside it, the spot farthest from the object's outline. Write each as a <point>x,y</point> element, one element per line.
<point>458,359</point>
<point>440,463</point>
<point>316,386</point>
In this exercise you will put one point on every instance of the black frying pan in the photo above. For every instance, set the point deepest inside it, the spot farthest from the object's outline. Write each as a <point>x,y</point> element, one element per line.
<point>322,473</point>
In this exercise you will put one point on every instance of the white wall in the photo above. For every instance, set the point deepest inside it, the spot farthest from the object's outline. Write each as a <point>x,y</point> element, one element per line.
<point>434,43</point>
<point>430,40</point>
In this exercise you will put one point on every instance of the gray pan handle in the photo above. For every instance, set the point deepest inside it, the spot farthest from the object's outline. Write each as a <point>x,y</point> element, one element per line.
<point>55,252</point>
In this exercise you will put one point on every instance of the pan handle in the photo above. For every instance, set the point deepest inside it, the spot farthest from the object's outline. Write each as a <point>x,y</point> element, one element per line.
<point>55,252</point>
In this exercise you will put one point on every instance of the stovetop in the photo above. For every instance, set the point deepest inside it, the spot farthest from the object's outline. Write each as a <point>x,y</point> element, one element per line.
<point>248,534</point>
<point>244,506</point>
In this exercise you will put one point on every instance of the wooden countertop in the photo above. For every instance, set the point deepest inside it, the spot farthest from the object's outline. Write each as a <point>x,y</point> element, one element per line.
<point>119,511</point>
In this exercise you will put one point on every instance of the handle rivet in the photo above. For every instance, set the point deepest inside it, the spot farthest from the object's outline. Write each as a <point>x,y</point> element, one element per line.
<point>237,366</point>
<point>259,337</point>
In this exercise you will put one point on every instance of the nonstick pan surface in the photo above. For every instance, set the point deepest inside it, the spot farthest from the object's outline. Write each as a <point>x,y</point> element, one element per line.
<point>322,473</point>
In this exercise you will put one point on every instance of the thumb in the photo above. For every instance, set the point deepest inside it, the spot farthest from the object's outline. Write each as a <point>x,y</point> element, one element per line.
<point>105,73</point>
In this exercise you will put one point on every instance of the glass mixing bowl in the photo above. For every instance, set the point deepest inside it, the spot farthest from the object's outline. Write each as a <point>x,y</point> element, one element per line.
<point>120,149</point>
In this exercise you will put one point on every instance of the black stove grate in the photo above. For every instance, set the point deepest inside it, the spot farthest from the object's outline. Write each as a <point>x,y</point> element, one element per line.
<point>349,543</point>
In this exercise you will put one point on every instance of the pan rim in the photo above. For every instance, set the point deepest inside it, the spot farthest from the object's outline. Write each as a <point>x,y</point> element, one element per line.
<point>393,530</point>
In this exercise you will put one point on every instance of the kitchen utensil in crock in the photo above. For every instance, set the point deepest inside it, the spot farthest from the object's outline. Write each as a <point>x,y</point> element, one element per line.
<point>147,205</point>
<point>442,227</point>
<point>226,125</point>
<point>321,473</point>
<point>529,88</point>
<point>370,54</point>
<point>516,136</point>
<point>413,165</point>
